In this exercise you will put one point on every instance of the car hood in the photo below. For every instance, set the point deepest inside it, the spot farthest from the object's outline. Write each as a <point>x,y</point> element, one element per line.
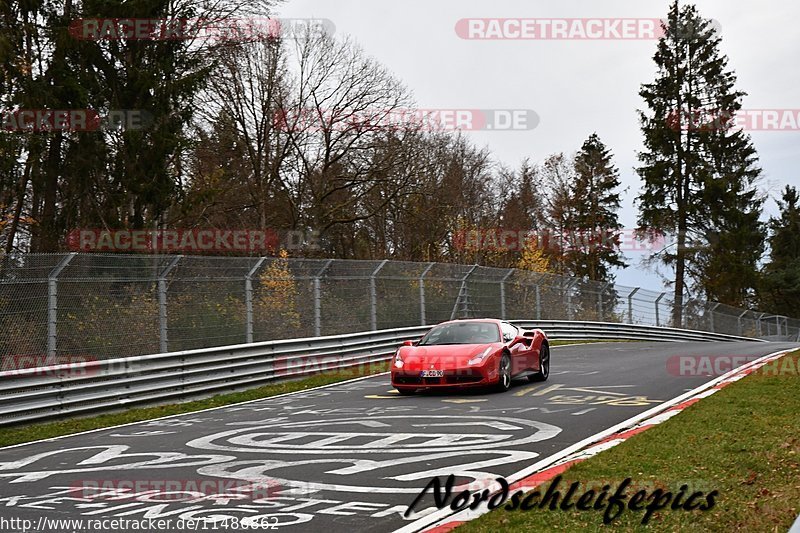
<point>441,357</point>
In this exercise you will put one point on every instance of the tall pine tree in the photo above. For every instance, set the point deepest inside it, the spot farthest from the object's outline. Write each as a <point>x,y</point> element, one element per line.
<point>595,221</point>
<point>595,246</point>
<point>726,266</point>
<point>779,290</point>
<point>699,173</point>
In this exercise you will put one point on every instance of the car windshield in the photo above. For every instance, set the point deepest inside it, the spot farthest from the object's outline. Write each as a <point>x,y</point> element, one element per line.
<point>462,333</point>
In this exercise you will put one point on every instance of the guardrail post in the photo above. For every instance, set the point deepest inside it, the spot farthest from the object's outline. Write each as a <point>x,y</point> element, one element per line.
<point>373,296</point>
<point>711,316</point>
<point>248,299</point>
<point>422,318</point>
<point>630,304</point>
<point>503,293</point>
<point>318,299</point>
<point>657,303</point>
<point>52,307</point>
<point>162,304</point>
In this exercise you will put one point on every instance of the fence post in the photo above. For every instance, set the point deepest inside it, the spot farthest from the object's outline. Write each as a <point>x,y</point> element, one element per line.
<point>538,303</point>
<point>630,304</point>
<point>162,304</point>
<point>687,302</point>
<point>422,318</point>
<point>600,301</point>
<point>373,296</point>
<point>570,312</point>
<point>657,303</point>
<point>503,293</point>
<point>739,323</point>
<point>248,299</point>
<point>462,290</point>
<point>711,316</point>
<point>318,299</point>
<point>758,324</point>
<point>52,307</point>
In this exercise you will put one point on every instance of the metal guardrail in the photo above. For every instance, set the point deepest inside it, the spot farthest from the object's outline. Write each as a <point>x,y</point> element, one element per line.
<point>37,394</point>
<point>561,330</point>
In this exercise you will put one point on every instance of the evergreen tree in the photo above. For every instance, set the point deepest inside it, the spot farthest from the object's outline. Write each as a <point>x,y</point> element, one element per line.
<point>558,177</point>
<point>594,247</point>
<point>726,267</point>
<point>595,224</point>
<point>779,290</point>
<point>698,173</point>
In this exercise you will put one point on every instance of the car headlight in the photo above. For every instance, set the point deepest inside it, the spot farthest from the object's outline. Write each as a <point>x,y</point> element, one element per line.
<point>398,361</point>
<point>479,358</point>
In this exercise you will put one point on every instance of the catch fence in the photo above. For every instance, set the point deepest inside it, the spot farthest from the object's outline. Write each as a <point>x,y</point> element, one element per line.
<point>57,308</point>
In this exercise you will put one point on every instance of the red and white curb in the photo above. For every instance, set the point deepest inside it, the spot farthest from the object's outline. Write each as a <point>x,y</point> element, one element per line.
<point>445,520</point>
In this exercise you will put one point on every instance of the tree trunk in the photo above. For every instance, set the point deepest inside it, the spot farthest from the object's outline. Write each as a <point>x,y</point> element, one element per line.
<point>20,202</point>
<point>48,237</point>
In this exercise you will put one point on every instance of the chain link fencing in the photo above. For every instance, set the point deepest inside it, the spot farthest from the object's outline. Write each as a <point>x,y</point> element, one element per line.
<point>57,308</point>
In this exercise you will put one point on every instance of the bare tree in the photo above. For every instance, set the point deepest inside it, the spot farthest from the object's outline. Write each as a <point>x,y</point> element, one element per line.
<point>248,89</point>
<point>340,122</point>
<point>558,177</point>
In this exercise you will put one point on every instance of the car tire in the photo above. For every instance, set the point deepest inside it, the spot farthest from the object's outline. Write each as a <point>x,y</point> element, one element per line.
<point>504,373</point>
<point>544,365</point>
<point>406,392</point>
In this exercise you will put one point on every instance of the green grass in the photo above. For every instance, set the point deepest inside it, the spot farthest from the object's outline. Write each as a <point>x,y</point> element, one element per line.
<point>743,441</point>
<point>28,433</point>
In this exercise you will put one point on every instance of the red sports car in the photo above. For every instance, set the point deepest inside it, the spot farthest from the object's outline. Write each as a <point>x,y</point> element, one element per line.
<point>471,353</point>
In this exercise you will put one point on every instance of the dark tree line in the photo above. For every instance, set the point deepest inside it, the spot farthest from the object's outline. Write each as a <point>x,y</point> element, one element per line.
<point>290,132</point>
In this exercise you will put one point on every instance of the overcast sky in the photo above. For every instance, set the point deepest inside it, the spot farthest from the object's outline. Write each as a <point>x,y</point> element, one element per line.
<point>576,87</point>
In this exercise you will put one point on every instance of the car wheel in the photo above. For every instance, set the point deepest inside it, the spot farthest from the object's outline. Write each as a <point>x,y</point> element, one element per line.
<point>544,365</point>
<point>504,374</point>
<point>406,392</point>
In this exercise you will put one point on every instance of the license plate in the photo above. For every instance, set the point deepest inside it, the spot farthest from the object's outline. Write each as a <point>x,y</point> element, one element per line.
<point>432,373</point>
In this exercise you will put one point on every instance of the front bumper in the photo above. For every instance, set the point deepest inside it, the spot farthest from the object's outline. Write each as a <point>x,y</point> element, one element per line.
<point>466,377</point>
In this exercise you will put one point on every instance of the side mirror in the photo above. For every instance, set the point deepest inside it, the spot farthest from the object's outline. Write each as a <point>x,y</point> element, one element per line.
<point>408,343</point>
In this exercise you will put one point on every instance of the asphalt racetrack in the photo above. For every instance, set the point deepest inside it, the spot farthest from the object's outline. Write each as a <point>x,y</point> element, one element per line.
<point>345,458</point>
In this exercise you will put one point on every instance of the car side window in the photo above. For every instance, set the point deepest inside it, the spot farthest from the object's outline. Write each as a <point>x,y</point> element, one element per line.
<point>509,331</point>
